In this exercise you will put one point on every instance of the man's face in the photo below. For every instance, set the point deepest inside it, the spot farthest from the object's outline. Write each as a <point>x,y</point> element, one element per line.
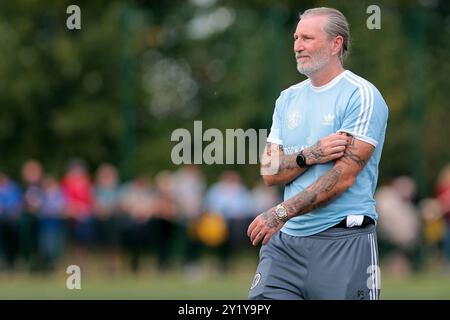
<point>311,45</point>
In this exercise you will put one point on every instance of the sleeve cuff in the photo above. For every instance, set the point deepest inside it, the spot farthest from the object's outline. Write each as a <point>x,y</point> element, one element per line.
<point>360,137</point>
<point>274,140</point>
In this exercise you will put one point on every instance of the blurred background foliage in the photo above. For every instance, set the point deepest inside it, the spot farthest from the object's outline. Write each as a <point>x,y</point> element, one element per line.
<point>137,70</point>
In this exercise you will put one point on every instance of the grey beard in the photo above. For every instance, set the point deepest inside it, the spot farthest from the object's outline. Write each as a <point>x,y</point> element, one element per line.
<point>318,62</point>
<point>306,71</point>
<point>301,71</point>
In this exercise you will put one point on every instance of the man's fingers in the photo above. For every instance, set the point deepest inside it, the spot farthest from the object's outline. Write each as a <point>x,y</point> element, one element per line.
<point>331,152</point>
<point>254,233</point>
<point>335,135</point>
<point>335,143</point>
<point>337,149</point>
<point>339,142</point>
<point>258,237</point>
<point>250,228</point>
<point>255,242</point>
<point>266,238</point>
<point>346,136</point>
<point>336,155</point>
<point>338,135</point>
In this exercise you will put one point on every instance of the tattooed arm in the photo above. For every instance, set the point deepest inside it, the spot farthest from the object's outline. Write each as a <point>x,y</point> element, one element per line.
<point>277,168</point>
<point>334,182</point>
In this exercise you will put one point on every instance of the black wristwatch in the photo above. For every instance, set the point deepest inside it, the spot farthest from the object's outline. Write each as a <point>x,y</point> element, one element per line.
<point>301,160</point>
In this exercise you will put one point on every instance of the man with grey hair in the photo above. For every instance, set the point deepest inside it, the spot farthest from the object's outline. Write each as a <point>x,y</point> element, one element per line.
<point>325,147</point>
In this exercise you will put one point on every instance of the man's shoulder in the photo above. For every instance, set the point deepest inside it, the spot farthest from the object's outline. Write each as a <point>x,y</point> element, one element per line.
<point>363,87</point>
<point>294,89</point>
<point>357,82</point>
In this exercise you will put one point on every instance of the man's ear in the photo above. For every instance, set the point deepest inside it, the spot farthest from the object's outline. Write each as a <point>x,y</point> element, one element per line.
<point>338,43</point>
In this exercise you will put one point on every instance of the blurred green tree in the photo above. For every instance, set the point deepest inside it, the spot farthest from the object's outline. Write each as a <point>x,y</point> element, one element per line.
<point>66,93</point>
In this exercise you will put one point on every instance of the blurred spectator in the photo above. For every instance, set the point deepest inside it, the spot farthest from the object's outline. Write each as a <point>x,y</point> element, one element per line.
<point>233,201</point>
<point>434,228</point>
<point>78,193</point>
<point>10,208</point>
<point>33,197</point>
<point>137,202</point>
<point>106,191</point>
<point>189,188</point>
<point>164,223</point>
<point>264,198</point>
<point>164,218</point>
<point>443,190</point>
<point>443,196</point>
<point>398,225</point>
<point>51,224</point>
<point>106,207</point>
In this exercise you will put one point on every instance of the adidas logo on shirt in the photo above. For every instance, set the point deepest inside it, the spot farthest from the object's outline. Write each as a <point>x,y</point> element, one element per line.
<point>328,120</point>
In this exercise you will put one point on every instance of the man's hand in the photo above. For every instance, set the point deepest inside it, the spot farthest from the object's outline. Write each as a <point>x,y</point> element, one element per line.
<point>264,227</point>
<point>278,168</point>
<point>329,148</point>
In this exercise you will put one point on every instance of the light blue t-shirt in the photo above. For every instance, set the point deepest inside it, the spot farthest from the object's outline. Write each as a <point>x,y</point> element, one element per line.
<point>303,115</point>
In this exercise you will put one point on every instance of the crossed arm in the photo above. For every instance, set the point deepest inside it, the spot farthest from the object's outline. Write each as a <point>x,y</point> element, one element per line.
<point>277,168</point>
<point>329,186</point>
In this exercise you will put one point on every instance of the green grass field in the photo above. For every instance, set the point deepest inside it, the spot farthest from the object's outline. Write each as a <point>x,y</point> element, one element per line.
<point>208,284</point>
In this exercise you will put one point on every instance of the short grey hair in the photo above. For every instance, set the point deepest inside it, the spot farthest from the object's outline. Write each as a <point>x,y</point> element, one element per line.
<point>337,26</point>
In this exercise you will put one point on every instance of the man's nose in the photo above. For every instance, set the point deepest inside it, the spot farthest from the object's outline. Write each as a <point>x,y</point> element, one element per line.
<point>298,45</point>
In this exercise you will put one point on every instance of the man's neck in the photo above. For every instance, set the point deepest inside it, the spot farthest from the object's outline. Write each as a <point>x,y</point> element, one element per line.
<point>325,75</point>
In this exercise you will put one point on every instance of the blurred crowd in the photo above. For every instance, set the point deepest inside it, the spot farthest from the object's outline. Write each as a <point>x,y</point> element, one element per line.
<point>173,218</point>
<point>414,234</point>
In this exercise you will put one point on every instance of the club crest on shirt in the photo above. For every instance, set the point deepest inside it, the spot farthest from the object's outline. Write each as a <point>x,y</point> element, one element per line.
<point>293,119</point>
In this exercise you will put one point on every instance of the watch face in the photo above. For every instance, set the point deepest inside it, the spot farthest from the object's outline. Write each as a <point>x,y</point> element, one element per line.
<point>301,160</point>
<point>281,213</point>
